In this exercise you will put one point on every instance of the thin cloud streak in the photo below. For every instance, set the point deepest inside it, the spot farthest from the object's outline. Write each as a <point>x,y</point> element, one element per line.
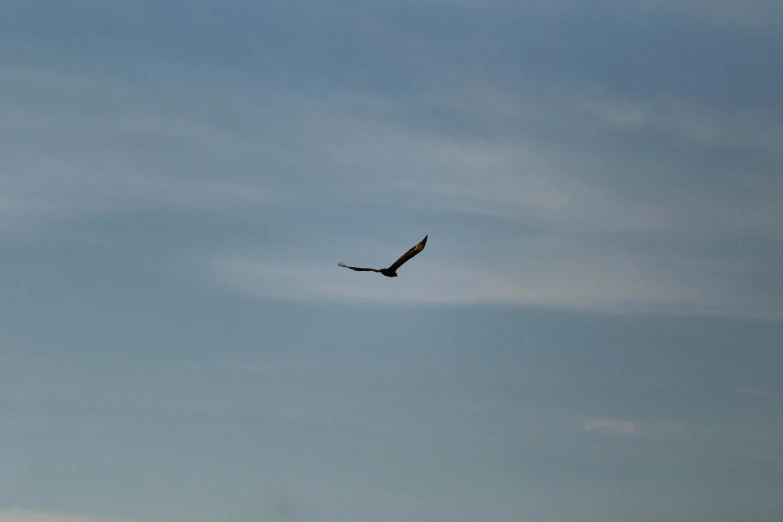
<point>610,427</point>
<point>621,287</point>
<point>758,393</point>
<point>750,15</point>
<point>23,515</point>
<point>502,178</point>
<point>103,153</point>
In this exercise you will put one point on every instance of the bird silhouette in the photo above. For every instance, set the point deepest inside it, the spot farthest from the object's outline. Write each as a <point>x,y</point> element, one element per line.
<point>392,270</point>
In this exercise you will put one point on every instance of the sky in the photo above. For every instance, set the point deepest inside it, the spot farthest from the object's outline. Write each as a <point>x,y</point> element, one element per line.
<point>593,332</point>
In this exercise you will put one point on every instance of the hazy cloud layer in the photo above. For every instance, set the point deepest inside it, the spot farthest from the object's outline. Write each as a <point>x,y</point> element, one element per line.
<point>574,196</point>
<point>593,331</point>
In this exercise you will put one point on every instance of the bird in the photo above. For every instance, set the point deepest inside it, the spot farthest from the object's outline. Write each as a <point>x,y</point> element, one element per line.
<point>392,270</point>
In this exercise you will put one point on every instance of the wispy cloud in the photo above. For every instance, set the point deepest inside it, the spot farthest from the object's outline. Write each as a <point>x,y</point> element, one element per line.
<point>361,152</point>
<point>758,393</point>
<point>610,427</point>
<point>625,284</point>
<point>692,122</point>
<point>752,14</point>
<point>87,144</point>
<point>540,192</point>
<point>162,158</point>
<point>23,515</point>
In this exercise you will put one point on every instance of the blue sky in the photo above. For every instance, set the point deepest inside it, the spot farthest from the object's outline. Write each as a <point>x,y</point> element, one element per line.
<point>593,332</point>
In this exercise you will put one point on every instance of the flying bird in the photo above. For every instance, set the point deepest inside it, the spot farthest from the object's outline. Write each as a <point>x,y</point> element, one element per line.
<point>392,270</point>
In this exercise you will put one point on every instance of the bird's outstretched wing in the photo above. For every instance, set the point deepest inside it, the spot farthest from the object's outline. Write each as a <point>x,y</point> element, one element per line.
<point>358,269</point>
<point>409,254</point>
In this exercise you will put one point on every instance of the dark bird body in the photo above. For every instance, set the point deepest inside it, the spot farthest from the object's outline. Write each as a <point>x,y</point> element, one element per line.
<point>392,270</point>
